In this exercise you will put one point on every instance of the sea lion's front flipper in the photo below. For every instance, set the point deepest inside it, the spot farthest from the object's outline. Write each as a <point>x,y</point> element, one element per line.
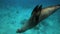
<point>37,9</point>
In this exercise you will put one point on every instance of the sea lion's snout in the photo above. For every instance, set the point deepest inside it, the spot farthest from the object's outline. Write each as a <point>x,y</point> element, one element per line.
<point>19,31</point>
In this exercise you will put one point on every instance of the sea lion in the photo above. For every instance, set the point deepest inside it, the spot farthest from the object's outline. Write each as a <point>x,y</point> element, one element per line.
<point>38,14</point>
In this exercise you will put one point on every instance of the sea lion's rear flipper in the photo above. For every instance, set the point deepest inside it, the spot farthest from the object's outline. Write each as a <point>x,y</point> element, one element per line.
<point>37,9</point>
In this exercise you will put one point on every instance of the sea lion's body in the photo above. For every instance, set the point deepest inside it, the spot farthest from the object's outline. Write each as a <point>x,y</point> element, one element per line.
<point>38,15</point>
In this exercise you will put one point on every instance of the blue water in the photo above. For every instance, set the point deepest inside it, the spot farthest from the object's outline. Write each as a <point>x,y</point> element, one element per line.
<point>13,13</point>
